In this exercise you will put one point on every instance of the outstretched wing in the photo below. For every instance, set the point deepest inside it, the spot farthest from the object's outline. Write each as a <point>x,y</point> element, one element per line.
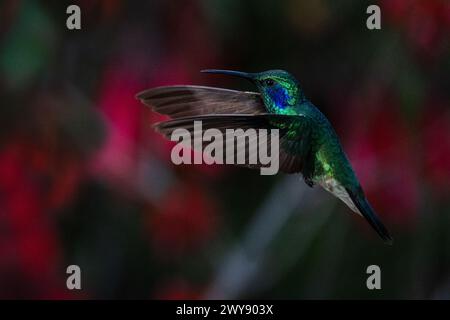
<point>188,101</point>
<point>294,134</point>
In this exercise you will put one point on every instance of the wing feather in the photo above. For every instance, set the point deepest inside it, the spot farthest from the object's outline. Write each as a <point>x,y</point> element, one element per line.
<point>291,159</point>
<point>188,101</point>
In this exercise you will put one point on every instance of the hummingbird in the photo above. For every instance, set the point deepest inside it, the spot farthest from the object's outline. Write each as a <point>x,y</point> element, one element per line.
<point>308,142</point>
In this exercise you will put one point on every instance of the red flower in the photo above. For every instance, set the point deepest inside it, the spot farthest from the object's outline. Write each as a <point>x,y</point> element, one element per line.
<point>186,219</point>
<point>29,254</point>
<point>384,155</point>
<point>178,290</point>
<point>117,159</point>
<point>424,22</point>
<point>436,147</point>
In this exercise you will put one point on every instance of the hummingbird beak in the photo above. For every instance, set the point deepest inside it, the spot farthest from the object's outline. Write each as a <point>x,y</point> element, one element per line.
<point>245,75</point>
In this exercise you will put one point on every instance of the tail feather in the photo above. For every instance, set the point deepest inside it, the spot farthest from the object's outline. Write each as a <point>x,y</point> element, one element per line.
<point>369,214</point>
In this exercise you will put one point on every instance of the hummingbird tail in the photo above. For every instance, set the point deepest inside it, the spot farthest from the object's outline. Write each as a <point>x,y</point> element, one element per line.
<point>369,214</point>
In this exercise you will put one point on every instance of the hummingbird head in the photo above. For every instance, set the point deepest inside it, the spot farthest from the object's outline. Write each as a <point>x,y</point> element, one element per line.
<point>279,90</point>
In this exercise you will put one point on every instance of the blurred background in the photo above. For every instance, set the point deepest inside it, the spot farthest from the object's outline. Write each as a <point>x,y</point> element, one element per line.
<point>84,179</point>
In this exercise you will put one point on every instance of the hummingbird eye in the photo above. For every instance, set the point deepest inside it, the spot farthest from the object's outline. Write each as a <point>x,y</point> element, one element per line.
<point>269,82</point>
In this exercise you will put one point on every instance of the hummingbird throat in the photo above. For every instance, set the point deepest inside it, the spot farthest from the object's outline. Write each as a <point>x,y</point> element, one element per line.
<point>250,147</point>
<point>281,98</point>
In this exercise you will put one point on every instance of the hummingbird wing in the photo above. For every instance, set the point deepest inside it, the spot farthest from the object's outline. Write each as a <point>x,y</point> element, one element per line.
<point>187,101</point>
<point>293,149</point>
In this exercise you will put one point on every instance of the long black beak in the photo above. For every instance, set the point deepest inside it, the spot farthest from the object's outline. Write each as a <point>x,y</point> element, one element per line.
<point>245,75</point>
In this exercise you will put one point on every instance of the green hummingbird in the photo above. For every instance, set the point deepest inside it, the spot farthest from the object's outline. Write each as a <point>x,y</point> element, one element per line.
<point>308,143</point>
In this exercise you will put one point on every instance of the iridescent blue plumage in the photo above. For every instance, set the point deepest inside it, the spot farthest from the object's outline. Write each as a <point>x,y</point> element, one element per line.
<point>279,96</point>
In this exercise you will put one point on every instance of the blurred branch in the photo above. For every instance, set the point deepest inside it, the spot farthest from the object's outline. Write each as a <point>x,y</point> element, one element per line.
<point>244,262</point>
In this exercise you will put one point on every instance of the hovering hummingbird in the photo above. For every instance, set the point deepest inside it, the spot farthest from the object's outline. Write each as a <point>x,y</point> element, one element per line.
<point>308,143</point>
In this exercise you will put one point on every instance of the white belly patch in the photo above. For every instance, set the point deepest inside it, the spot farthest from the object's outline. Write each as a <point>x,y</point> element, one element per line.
<point>335,188</point>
